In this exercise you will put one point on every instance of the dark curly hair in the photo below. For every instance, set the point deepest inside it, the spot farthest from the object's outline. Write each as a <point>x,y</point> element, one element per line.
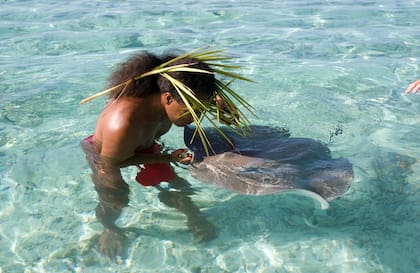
<point>144,62</point>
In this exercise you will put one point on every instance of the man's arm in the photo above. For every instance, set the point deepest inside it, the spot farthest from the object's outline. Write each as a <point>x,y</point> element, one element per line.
<point>413,88</point>
<point>113,194</point>
<point>113,197</point>
<point>120,145</point>
<point>178,156</point>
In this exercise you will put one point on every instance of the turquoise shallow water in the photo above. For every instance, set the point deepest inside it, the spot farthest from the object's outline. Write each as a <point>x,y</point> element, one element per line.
<point>319,66</point>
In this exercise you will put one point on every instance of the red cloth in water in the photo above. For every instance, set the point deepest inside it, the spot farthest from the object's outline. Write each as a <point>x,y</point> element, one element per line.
<point>154,173</point>
<point>89,139</point>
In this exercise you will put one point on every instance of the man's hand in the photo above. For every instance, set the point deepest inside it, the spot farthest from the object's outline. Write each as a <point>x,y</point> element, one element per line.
<point>112,244</point>
<point>181,156</point>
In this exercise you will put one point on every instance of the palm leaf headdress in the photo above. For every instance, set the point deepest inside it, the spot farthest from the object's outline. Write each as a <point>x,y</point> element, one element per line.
<point>230,114</point>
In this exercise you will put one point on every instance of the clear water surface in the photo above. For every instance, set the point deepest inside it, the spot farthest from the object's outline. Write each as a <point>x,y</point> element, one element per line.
<point>319,66</point>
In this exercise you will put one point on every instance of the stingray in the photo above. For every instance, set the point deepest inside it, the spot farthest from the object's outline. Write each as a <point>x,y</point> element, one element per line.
<point>268,161</point>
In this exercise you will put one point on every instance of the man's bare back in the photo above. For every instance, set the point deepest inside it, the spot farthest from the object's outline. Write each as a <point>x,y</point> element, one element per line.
<point>130,124</point>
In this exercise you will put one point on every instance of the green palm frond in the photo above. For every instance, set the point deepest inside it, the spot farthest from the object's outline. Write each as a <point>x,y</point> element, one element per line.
<point>225,66</point>
<point>231,114</point>
<point>174,68</point>
<point>231,75</point>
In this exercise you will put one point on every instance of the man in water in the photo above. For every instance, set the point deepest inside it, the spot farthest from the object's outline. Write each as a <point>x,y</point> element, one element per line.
<point>126,133</point>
